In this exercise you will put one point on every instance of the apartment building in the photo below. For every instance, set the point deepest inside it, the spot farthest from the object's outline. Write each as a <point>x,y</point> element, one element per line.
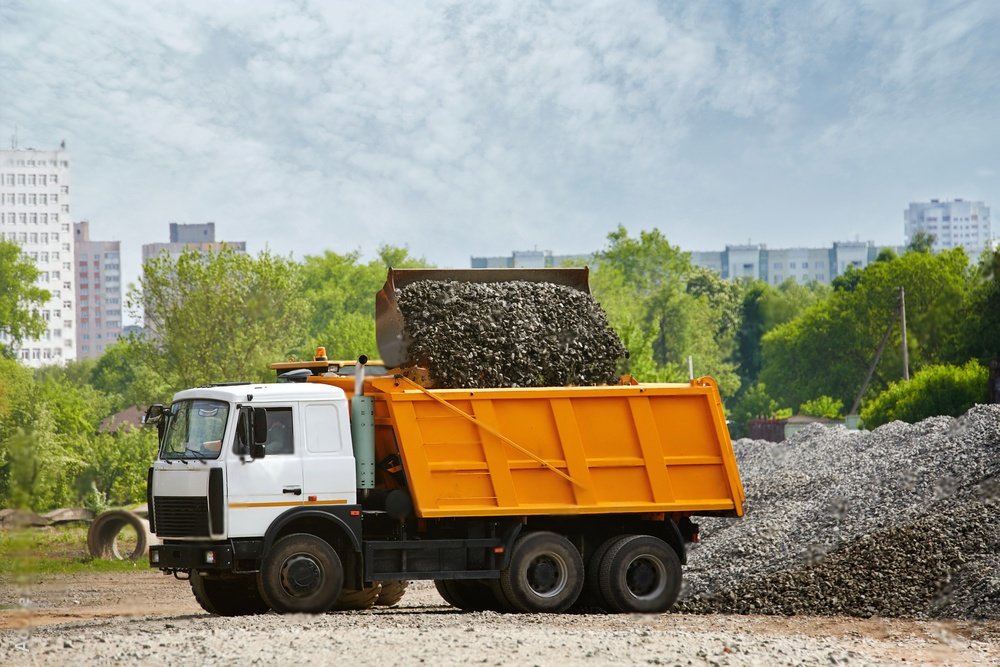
<point>35,214</point>
<point>98,292</point>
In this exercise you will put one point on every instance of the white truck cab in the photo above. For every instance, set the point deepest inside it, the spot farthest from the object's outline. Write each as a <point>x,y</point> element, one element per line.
<point>307,459</point>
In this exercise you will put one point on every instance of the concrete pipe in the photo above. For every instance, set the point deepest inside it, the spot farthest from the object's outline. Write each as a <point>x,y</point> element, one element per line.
<point>103,536</point>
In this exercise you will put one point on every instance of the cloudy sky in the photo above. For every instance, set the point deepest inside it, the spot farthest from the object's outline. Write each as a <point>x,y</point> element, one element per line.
<point>475,128</point>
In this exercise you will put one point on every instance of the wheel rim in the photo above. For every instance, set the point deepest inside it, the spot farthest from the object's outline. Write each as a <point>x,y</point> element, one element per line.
<point>301,575</point>
<point>646,577</point>
<point>547,575</point>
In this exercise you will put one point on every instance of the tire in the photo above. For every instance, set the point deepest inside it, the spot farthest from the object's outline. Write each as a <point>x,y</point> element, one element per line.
<point>592,596</point>
<point>640,574</point>
<point>467,594</point>
<point>357,600</point>
<point>102,536</point>
<point>444,590</point>
<point>545,573</point>
<point>301,574</point>
<point>392,592</point>
<point>228,597</point>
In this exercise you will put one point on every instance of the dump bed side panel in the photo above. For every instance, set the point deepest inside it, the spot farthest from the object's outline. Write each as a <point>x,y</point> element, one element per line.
<point>576,450</point>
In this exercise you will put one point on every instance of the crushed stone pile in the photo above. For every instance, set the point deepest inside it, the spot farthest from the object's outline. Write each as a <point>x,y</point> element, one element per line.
<point>902,521</point>
<point>508,334</point>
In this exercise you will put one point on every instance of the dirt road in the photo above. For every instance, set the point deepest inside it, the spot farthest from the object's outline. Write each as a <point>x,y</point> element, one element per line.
<point>150,618</point>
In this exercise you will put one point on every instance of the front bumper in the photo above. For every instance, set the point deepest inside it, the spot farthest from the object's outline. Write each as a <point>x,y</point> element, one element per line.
<point>200,556</point>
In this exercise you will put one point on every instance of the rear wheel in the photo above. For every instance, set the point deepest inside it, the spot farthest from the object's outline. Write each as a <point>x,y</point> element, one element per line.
<point>301,574</point>
<point>592,595</point>
<point>392,592</point>
<point>545,573</point>
<point>640,573</point>
<point>356,600</point>
<point>467,594</point>
<point>235,596</point>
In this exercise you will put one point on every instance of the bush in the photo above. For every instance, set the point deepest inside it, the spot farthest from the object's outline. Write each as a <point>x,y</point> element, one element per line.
<point>822,406</point>
<point>935,390</point>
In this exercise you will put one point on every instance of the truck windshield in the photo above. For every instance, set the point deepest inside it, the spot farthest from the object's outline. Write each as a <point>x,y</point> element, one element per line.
<point>194,430</point>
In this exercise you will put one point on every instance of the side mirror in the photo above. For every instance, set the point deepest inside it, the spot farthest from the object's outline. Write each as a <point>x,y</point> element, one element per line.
<point>258,419</point>
<point>259,426</point>
<point>154,414</point>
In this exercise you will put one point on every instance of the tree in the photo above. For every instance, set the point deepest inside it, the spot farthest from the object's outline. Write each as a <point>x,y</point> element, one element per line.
<point>827,349</point>
<point>981,331</point>
<point>218,316</point>
<point>922,242</point>
<point>341,291</point>
<point>665,309</point>
<point>763,308</point>
<point>20,298</point>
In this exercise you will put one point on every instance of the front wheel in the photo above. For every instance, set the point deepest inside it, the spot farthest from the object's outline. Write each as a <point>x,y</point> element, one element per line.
<point>301,574</point>
<point>234,596</point>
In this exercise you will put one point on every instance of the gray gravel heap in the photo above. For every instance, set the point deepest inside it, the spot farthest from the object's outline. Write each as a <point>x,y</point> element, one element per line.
<point>903,521</point>
<point>508,334</point>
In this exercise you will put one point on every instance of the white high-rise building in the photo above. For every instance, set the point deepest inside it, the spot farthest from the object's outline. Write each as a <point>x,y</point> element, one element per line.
<point>35,214</point>
<point>954,224</point>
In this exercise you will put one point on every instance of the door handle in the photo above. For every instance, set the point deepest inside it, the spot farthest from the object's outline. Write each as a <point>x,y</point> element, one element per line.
<point>297,490</point>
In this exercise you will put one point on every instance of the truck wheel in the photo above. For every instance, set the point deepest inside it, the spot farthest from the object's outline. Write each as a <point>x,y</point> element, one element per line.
<point>592,582</point>
<point>640,573</point>
<point>357,600</point>
<point>392,592</point>
<point>228,597</point>
<point>545,573</point>
<point>301,574</point>
<point>467,595</point>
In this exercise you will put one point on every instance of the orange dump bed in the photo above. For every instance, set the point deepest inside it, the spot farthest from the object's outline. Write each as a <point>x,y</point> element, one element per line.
<point>564,450</point>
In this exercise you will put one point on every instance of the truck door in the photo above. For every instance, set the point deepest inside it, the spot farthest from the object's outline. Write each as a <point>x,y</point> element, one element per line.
<point>261,489</point>
<point>329,471</point>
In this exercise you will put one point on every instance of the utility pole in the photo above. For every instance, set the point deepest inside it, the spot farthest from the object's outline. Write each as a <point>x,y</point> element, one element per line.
<point>901,315</point>
<point>902,329</point>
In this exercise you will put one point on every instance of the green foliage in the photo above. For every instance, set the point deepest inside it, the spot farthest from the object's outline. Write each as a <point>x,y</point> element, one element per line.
<point>827,349</point>
<point>763,308</point>
<point>341,290</point>
<point>935,390</point>
<point>823,406</point>
<point>20,298</point>
<point>981,319</point>
<point>220,316</point>
<point>922,242</point>
<point>752,403</point>
<point>665,309</point>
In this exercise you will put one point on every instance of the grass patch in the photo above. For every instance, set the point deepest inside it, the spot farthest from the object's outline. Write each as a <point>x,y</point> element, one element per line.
<point>54,550</point>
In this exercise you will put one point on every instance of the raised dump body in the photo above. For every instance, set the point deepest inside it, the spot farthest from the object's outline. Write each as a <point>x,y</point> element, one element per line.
<point>654,448</point>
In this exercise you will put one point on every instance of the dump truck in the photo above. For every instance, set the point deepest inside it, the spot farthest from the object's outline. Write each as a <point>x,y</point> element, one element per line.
<point>325,491</point>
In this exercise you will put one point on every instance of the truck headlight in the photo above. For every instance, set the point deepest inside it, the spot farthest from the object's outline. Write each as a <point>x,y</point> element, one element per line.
<point>154,556</point>
<point>210,557</point>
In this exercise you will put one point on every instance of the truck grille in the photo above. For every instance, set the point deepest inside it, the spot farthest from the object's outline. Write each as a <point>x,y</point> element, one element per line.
<point>181,516</point>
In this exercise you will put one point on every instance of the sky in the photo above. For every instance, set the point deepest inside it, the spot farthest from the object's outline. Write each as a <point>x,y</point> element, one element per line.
<point>479,128</point>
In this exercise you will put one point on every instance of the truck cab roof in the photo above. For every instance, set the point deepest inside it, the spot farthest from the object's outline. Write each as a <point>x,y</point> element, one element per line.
<point>264,392</point>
